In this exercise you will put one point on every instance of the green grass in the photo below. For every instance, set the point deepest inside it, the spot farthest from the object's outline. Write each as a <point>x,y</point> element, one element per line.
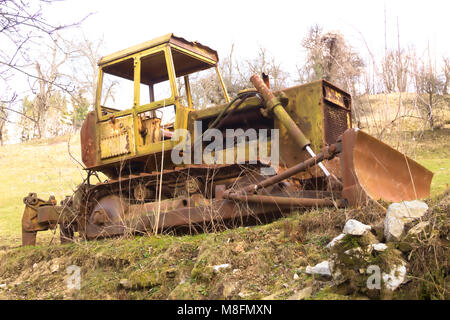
<point>168,267</point>
<point>44,167</point>
<point>432,151</point>
<point>434,154</point>
<point>164,267</point>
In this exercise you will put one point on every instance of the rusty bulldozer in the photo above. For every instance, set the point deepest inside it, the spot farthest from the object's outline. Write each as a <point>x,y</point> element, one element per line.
<point>153,184</point>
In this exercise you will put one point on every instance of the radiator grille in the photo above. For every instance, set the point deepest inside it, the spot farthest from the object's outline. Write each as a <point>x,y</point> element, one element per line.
<point>335,122</point>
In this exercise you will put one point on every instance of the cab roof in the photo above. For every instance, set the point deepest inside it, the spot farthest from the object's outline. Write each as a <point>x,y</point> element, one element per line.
<point>154,69</point>
<point>170,38</point>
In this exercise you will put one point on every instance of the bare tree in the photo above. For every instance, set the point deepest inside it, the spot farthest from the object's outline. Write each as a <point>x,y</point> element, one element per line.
<point>46,89</point>
<point>81,107</point>
<point>263,63</point>
<point>86,54</point>
<point>227,68</point>
<point>429,87</point>
<point>206,88</point>
<point>446,71</point>
<point>3,121</point>
<point>395,69</point>
<point>24,26</point>
<point>331,58</point>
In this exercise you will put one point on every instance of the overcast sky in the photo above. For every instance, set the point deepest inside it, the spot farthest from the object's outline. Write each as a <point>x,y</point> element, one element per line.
<point>278,25</point>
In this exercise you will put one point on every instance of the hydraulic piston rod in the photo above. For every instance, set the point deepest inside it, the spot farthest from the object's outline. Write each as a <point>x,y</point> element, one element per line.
<point>326,154</point>
<point>273,104</point>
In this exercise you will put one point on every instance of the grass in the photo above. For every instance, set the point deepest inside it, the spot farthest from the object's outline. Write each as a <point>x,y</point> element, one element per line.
<point>393,113</point>
<point>433,152</point>
<point>266,257</point>
<point>263,261</point>
<point>431,149</point>
<point>44,167</point>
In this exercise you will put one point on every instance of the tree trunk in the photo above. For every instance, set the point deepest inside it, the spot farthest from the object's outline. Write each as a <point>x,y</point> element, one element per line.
<point>430,111</point>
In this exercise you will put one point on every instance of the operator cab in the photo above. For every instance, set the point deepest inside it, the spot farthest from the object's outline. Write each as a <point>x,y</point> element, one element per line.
<point>143,95</point>
<point>151,78</point>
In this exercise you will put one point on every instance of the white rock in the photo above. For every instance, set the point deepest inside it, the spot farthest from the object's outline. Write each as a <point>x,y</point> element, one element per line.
<point>221,266</point>
<point>393,228</point>
<point>379,246</point>
<point>408,209</point>
<point>400,213</point>
<point>3,285</point>
<point>322,269</point>
<point>54,268</point>
<point>356,228</point>
<point>236,270</point>
<point>395,278</point>
<point>296,276</point>
<point>335,240</point>
<point>35,265</point>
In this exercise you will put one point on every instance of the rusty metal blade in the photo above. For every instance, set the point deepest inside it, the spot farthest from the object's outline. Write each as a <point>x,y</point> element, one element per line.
<point>372,169</point>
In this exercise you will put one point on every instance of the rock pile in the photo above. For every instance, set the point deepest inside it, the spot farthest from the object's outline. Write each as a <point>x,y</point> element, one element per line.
<point>360,263</point>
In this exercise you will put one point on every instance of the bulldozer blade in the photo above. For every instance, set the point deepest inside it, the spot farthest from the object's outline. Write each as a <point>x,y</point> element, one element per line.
<point>373,170</point>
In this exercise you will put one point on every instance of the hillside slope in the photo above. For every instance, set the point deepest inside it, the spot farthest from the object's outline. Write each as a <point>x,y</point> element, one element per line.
<point>44,167</point>
<point>259,262</point>
<point>264,261</point>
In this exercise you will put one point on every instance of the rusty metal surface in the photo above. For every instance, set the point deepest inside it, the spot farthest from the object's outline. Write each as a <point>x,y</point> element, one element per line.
<point>28,238</point>
<point>335,122</point>
<point>88,140</point>
<point>202,216</point>
<point>334,95</point>
<point>169,38</point>
<point>328,153</point>
<point>48,215</point>
<point>174,213</point>
<point>116,137</point>
<point>373,169</point>
<point>38,215</point>
<point>286,201</point>
<point>274,105</point>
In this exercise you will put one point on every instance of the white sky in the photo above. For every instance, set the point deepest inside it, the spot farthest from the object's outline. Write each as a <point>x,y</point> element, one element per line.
<point>278,25</point>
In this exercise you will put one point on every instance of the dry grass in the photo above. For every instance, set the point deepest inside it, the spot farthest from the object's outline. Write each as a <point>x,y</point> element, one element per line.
<point>44,167</point>
<point>164,266</point>
<point>428,254</point>
<point>397,112</point>
<point>263,260</point>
